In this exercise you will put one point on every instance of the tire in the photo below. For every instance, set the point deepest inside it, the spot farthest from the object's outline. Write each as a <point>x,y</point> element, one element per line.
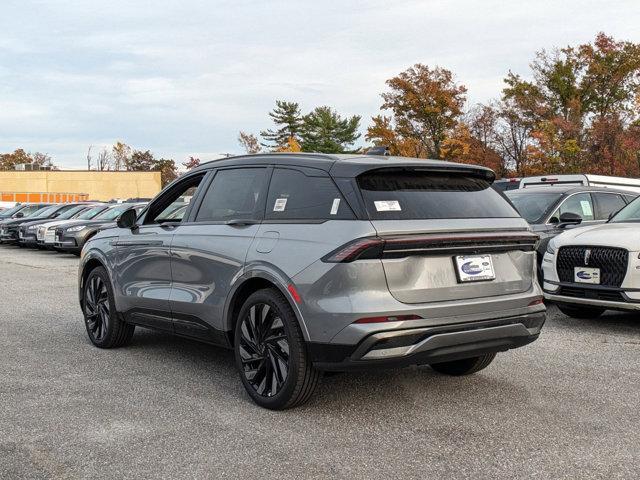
<point>271,356</point>
<point>104,327</point>
<point>466,366</point>
<point>579,311</point>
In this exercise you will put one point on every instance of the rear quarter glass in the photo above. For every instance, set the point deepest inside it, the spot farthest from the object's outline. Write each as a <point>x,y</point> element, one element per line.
<point>407,194</point>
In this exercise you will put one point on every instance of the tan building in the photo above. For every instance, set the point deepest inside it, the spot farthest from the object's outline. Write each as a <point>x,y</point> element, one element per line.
<point>73,185</point>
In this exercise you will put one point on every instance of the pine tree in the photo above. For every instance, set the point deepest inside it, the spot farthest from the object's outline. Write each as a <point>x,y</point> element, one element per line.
<point>325,131</point>
<point>288,120</point>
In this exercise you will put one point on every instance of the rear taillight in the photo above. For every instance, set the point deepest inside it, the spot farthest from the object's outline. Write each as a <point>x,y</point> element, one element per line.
<point>394,318</point>
<point>363,248</point>
<point>537,301</point>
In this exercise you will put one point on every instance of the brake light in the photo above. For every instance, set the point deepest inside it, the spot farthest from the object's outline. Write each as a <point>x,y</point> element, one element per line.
<point>537,301</point>
<point>363,248</point>
<point>395,318</point>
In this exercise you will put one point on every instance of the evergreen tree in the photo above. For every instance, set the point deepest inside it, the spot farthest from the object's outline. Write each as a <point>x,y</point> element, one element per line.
<point>325,131</point>
<point>288,120</point>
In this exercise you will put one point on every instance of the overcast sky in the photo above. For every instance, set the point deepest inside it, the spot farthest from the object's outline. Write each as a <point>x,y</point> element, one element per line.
<point>183,77</point>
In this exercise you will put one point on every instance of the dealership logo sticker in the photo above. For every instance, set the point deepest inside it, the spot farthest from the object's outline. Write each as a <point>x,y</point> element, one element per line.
<point>471,268</point>
<point>583,275</point>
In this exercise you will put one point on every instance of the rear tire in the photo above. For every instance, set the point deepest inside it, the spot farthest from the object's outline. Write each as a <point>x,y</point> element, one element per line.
<point>576,311</point>
<point>271,356</point>
<point>466,366</point>
<point>104,327</point>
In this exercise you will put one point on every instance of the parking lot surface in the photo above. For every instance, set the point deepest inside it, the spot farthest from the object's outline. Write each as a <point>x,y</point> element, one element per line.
<point>566,406</point>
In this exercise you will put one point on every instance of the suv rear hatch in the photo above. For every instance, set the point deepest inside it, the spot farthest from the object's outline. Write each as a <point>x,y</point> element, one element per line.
<point>446,234</point>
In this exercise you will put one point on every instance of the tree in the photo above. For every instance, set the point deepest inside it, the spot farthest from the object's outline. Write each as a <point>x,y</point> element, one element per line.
<point>292,145</point>
<point>104,160</point>
<point>249,142</point>
<point>288,120</point>
<point>8,161</point>
<point>425,105</point>
<point>324,130</point>
<point>191,163</point>
<point>168,170</point>
<point>121,153</point>
<point>141,161</point>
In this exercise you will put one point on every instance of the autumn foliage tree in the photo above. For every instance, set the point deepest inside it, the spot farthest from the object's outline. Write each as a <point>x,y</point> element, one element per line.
<point>425,105</point>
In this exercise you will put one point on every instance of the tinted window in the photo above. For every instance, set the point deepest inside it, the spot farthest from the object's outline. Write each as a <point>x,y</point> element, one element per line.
<point>392,194</point>
<point>43,212</point>
<point>296,196</point>
<point>234,194</point>
<point>92,212</point>
<point>162,209</point>
<point>580,204</point>
<point>72,211</point>
<point>607,203</point>
<point>532,206</point>
<point>113,213</point>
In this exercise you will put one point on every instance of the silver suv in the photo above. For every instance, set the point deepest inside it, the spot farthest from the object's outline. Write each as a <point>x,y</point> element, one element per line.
<point>304,263</point>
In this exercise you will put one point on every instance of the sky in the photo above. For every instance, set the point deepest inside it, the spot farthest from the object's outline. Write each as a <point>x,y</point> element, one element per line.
<point>182,78</point>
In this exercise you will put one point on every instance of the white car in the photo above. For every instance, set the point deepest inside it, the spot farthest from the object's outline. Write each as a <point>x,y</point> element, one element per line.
<point>591,269</point>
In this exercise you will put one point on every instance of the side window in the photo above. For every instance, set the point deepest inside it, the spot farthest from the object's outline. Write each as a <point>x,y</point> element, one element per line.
<point>580,204</point>
<point>296,196</point>
<point>173,204</point>
<point>629,198</point>
<point>234,194</point>
<point>607,203</point>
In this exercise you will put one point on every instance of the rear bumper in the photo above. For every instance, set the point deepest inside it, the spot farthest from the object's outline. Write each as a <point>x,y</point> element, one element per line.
<point>425,345</point>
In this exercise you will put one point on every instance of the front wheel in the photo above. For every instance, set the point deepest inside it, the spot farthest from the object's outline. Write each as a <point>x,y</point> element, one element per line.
<point>579,311</point>
<point>104,328</point>
<point>270,352</point>
<point>466,366</point>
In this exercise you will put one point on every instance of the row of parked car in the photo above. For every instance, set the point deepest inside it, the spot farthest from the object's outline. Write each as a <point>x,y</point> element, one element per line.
<point>589,247</point>
<point>62,227</point>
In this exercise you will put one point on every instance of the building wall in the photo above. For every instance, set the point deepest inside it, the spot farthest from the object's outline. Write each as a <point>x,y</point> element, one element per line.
<point>97,185</point>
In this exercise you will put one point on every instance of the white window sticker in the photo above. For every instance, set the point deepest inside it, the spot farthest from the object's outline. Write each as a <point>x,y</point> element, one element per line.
<point>586,208</point>
<point>387,206</point>
<point>280,205</point>
<point>335,206</point>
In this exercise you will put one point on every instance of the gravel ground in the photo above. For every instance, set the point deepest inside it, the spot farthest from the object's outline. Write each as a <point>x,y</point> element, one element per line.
<point>566,406</point>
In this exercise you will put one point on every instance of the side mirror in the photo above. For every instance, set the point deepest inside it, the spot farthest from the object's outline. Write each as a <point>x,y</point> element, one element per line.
<point>19,215</point>
<point>569,218</point>
<point>127,219</point>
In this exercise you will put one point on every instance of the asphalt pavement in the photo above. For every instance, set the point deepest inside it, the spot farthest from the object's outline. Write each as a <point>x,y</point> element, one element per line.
<point>566,406</point>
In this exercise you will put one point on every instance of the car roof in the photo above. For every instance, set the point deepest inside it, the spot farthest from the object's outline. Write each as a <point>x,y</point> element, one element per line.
<point>345,165</point>
<point>568,189</point>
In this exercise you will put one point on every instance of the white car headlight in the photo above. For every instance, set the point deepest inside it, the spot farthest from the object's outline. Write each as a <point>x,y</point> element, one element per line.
<point>76,229</point>
<point>32,228</point>
<point>551,247</point>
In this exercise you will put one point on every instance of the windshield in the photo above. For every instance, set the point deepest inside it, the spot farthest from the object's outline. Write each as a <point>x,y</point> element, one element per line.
<point>113,213</point>
<point>71,212</point>
<point>10,211</point>
<point>44,212</point>
<point>404,194</point>
<point>630,213</point>
<point>533,206</point>
<point>92,212</point>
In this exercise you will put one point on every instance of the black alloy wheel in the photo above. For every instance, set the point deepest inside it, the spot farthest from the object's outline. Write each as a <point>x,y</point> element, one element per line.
<point>264,349</point>
<point>104,327</point>
<point>96,307</point>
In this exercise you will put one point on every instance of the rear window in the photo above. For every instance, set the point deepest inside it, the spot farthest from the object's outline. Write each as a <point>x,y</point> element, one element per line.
<point>531,205</point>
<point>392,194</point>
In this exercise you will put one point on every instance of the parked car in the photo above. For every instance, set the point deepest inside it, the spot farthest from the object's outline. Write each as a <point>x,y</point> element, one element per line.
<point>592,269</point>
<point>551,210</point>
<point>71,238</point>
<point>28,231</point>
<point>506,184</point>
<point>21,210</point>
<point>604,181</point>
<point>305,263</point>
<point>9,228</point>
<point>46,231</point>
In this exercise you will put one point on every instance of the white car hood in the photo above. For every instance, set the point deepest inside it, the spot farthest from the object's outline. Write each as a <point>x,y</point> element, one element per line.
<point>623,235</point>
